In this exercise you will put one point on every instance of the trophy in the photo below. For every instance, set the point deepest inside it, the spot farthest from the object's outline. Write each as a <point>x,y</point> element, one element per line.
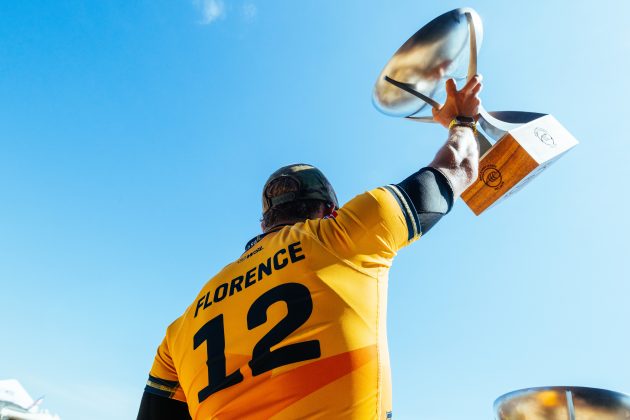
<point>514,146</point>
<point>566,403</point>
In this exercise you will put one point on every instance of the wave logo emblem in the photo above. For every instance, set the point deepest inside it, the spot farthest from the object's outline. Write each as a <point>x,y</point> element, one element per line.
<point>544,136</point>
<point>491,176</point>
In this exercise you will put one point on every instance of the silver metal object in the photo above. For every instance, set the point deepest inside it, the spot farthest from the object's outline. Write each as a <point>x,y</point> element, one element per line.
<point>562,403</point>
<point>438,51</point>
<point>414,80</point>
<point>415,76</point>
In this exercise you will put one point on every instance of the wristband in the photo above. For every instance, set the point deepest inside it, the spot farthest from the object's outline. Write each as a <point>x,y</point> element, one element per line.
<point>461,121</point>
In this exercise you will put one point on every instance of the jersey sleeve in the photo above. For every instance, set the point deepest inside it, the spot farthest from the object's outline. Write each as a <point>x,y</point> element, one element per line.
<point>373,226</point>
<point>163,380</point>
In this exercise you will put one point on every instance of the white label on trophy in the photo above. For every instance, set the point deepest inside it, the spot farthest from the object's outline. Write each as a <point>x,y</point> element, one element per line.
<point>544,138</point>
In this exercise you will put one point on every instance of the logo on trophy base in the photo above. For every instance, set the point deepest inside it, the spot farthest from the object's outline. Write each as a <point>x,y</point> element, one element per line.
<point>491,176</point>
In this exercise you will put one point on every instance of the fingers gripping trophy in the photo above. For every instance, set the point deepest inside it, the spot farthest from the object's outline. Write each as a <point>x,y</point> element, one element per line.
<point>458,104</point>
<point>514,146</point>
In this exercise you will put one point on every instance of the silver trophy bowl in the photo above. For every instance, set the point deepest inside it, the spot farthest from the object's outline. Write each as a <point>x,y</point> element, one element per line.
<point>413,80</point>
<point>562,403</point>
<point>415,75</point>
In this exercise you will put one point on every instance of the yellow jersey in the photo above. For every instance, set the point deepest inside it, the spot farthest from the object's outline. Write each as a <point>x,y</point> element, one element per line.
<point>296,327</point>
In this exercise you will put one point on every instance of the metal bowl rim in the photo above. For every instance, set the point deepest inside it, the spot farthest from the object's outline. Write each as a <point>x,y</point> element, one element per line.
<point>504,397</point>
<point>460,11</point>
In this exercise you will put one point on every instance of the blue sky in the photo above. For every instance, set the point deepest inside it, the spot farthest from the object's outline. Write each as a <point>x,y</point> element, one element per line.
<point>135,138</point>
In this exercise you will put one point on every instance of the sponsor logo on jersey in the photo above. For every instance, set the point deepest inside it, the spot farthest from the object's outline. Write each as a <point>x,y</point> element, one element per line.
<point>254,252</point>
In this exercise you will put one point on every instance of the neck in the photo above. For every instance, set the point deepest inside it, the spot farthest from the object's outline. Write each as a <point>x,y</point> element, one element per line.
<point>278,226</point>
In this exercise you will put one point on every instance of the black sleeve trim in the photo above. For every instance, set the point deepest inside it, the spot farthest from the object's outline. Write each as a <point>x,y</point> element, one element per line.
<point>431,195</point>
<point>153,407</point>
<point>408,210</point>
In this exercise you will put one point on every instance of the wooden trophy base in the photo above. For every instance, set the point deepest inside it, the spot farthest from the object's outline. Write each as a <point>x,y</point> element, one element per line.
<point>515,159</point>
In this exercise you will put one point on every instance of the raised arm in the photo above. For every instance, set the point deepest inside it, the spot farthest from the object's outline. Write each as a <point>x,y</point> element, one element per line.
<point>432,190</point>
<point>458,159</point>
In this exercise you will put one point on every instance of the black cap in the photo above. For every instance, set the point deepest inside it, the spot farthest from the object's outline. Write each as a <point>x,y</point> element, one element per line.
<point>312,185</point>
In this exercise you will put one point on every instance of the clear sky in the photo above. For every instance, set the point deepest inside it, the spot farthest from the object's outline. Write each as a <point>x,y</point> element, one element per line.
<point>135,138</point>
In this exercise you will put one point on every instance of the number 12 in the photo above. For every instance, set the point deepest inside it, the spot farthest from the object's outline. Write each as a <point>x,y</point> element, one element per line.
<point>299,309</point>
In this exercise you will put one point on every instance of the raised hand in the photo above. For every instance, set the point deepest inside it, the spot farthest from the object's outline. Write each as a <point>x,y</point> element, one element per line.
<point>464,102</point>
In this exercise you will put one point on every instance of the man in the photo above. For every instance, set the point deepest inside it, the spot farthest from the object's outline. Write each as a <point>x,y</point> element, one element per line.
<point>295,327</point>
